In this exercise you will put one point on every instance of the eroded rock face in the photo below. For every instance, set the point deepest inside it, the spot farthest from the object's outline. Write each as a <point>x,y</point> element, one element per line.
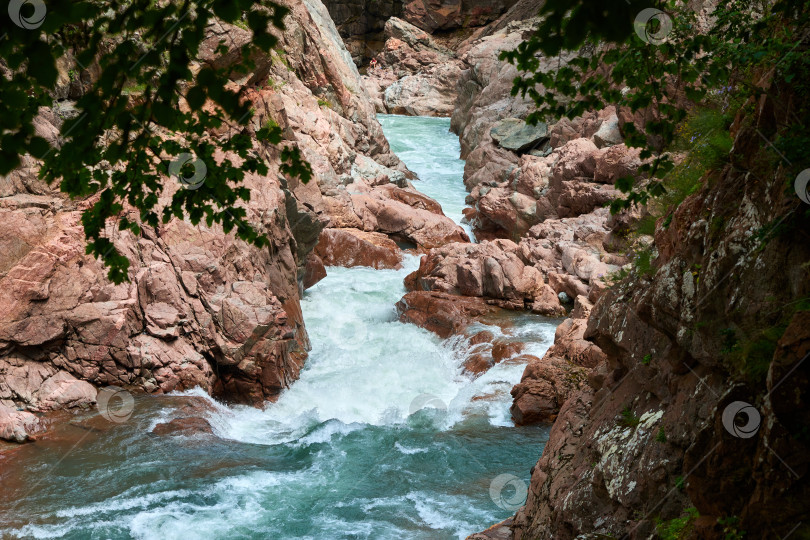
<point>435,15</point>
<point>187,308</point>
<point>485,86</point>
<point>510,194</point>
<point>415,75</point>
<point>649,424</point>
<point>361,22</point>
<point>202,309</point>
<point>548,382</point>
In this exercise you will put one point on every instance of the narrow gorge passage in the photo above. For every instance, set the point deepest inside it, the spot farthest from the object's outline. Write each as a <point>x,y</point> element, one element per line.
<point>340,455</point>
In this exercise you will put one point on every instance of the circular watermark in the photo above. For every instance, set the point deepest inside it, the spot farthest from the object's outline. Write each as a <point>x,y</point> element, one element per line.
<point>802,186</point>
<point>508,492</point>
<point>652,25</point>
<point>22,15</point>
<point>197,178</point>
<point>735,410</point>
<point>115,404</point>
<point>427,401</point>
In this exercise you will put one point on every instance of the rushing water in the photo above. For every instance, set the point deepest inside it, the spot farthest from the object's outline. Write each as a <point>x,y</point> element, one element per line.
<point>345,453</point>
<point>429,149</point>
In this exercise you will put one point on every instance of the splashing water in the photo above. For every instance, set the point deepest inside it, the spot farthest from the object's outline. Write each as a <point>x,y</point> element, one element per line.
<point>346,452</point>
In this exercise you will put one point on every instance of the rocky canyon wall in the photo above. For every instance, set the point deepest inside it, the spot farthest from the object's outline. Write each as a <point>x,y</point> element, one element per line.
<point>361,23</point>
<point>201,308</point>
<point>694,413</point>
<point>678,393</point>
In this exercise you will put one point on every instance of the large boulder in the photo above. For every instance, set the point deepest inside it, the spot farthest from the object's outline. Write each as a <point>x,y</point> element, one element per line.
<point>17,426</point>
<point>491,270</point>
<point>516,135</point>
<point>428,93</point>
<point>441,313</point>
<point>353,247</point>
<point>403,214</point>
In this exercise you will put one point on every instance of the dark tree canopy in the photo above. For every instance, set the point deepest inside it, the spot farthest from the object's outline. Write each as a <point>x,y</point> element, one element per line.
<point>122,145</point>
<point>689,76</point>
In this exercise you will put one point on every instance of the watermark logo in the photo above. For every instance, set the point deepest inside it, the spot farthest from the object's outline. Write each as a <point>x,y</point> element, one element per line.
<point>28,14</point>
<point>734,412</point>
<point>197,178</point>
<point>508,492</point>
<point>427,401</point>
<point>802,186</point>
<point>115,404</point>
<point>653,25</point>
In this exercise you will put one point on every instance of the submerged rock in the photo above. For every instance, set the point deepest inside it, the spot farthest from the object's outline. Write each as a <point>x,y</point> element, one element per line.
<point>184,426</point>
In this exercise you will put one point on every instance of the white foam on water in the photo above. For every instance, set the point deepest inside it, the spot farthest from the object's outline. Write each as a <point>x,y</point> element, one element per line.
<point>366,367</point>
<point>436,163</point>
<point>366,371</point>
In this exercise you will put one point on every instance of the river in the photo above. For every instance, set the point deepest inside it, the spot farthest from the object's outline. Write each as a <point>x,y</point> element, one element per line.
<point>383,436</point>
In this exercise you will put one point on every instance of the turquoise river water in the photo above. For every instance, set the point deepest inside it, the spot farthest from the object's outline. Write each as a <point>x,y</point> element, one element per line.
<point>383,436</point>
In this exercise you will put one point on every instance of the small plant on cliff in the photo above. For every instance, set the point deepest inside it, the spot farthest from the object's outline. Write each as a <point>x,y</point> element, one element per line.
<point>644,262</point>
<point>628,419</point>
<point>679,527</point>
<point>730,526</point>
<point>749,352</point>
<point>662,435</point>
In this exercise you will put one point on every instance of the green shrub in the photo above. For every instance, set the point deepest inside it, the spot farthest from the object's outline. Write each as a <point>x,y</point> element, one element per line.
<point>679,527</point>
<point>730,528</point>
<point>629,419</point>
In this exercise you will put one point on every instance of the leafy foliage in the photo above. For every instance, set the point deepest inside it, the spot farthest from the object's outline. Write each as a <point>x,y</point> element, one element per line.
<point>731,529</point>
<point>143,108</point>
<point>628,419</point>
<point>602,62</point>
<point>679,527</point>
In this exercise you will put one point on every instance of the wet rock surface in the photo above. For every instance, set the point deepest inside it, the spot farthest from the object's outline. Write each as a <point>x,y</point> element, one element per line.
<point>184,426</point>
<point>441,313</point>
